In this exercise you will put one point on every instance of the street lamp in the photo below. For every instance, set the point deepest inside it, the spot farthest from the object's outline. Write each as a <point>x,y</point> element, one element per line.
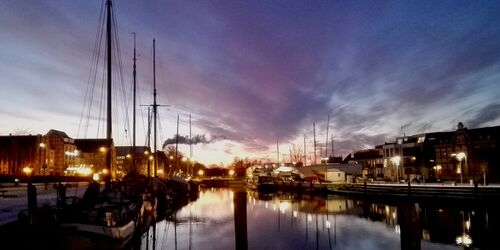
<point>460,156</point>
<point>31,190</point>
<point>201,172</point>
<point>396,160</point>
<point>41,166</point>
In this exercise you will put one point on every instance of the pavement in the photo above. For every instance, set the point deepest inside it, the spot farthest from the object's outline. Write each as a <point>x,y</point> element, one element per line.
<point>16,200</point>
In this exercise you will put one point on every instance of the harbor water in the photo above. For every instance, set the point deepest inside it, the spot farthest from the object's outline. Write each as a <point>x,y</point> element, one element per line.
<point>232,219</point>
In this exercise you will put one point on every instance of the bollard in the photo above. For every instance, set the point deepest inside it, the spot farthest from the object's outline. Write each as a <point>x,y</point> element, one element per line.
<point>31,202</point>
<point>475,190</point>
<point>409,189</point>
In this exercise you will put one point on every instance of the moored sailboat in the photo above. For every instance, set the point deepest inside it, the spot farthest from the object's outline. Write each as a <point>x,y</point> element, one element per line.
<point>113,213</point>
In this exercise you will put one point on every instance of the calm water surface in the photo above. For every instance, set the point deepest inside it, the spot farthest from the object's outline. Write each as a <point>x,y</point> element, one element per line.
<point>218,220</point>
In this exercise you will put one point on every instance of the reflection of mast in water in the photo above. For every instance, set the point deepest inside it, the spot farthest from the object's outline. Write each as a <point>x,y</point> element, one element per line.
<point>190,222</point>
<point>175,225</point>
<point>328,226</point>
<point>154,236</point>
<point>307,222</point>
<point>279,224</point>
<point>317,233</point>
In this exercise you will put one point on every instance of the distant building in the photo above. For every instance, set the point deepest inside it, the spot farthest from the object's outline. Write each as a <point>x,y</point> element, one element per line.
<point>92,153</point>
<point>371,161</point>
<point>125,156</point>
<point>480,148</point>
<point>60,152</point>
<point>19,151</point>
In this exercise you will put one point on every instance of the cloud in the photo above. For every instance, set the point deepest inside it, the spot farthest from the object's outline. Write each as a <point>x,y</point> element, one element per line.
<point>488,113</point>
<point>194,140</point>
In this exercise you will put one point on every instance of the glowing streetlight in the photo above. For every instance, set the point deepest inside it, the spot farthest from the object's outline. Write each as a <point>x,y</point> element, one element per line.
<point>105,171</point>
<point>129,156</point>
<point>95,177</point>
<point>171,157</point>
<point>184,159</point>
<point>27,170</point>
<point>231,172</point>
<point>460,156</point>
<point>396,160</point>
<point>146,152</point>
<point>102,149</point>
<point>201,172</point>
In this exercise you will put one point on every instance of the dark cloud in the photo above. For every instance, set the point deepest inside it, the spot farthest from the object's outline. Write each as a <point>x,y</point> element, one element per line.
<point>488,113</point>
<point>194,140</point>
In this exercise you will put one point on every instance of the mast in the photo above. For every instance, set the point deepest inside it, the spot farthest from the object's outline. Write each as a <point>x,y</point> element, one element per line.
<point>109,121</point>
<point>190,148</point>
<point>154,111</point>
<point>177,145</point>
<point>133,130</point>
<point>278,152</point>
<point>314,138</point>
<point>149,140</point>
<point>305,151</point>
<point>326,142</point>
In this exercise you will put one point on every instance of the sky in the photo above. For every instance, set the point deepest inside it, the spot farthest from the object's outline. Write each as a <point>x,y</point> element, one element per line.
<point>251,73</point>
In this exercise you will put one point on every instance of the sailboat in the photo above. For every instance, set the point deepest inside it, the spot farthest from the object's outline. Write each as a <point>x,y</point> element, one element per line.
<point>109,214</point>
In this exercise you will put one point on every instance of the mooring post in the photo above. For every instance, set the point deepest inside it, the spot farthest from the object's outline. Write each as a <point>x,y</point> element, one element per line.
<point>475,189</point>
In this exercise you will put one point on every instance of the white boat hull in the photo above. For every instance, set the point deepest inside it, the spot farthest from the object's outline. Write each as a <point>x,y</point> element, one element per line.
<point>117,233</point>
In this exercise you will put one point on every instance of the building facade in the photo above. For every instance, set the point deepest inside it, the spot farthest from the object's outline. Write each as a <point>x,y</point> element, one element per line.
<point>19,151</point>
<point>467,155</point>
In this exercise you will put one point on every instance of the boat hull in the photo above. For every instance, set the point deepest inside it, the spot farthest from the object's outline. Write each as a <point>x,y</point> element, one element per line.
<point>120,233</point>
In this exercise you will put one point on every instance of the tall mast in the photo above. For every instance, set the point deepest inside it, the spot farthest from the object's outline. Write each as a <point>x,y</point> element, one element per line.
<point>109,121</point>
<point>154,110</point>
<point>278,152</point>
<point>326,142</point>
<point>305,152</point>
<point>177,145</point>
<point>314,138</point>
<point>190,147</point>
<point>149,140</point>
<point>133,131</point>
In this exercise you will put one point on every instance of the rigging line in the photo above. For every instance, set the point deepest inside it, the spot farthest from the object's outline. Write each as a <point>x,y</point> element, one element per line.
<point>142,110</point>
<point>94,69</point>
<point>161,130</point>
<point>93,77</point>
<point>100,118</point>
<point>94,55</point>
<point>121,75</point>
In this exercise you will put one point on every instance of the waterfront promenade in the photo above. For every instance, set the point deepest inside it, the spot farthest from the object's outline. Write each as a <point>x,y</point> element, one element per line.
<point>15,198</point>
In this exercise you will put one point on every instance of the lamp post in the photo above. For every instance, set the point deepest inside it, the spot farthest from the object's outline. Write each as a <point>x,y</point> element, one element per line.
<point>395,160</point>
<point>31,190</point>
<point>460,156</point>
<point>41,165</point>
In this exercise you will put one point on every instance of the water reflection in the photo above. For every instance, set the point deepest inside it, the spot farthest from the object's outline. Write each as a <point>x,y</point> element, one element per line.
<point>227,219</point>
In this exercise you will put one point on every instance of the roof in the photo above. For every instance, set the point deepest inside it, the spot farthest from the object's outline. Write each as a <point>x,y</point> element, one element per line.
<point>58,133</point>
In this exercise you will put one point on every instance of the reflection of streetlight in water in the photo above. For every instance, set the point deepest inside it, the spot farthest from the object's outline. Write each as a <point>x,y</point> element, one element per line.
<point>464,239</point>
